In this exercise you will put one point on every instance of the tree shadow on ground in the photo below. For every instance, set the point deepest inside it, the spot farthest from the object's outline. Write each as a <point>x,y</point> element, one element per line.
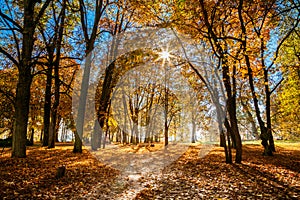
<point>258,177</point>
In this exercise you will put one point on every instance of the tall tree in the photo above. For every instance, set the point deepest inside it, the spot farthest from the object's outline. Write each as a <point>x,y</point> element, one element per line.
<point>58,43</point>
<point>258,21</point>
<point>221,50</point>
<point>52,35</point>
<point>32,14</point>
<point>90,36</point>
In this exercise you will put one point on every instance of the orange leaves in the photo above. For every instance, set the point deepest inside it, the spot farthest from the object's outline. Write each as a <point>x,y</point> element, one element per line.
<point>189,177</point>
<point>34,176</point>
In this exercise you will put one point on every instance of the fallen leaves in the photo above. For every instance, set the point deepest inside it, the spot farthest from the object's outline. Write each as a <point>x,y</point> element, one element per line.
<point>192,176</point>
<point>34,177</point>
<point>258,177</point>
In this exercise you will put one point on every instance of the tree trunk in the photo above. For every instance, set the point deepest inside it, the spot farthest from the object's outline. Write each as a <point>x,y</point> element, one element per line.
<point>82,105</point>
<point>89,42</point>
<point>21,113</point>
<point>77,144</point>
<point>231,95</point>
<point>268,111</point>
<point>41,135</point>
<point>124,138</point>
<point>228,155</point>
<point>96,140</point>
<point>58,42</point>
<point>24,82</point>
<point>47,106</point>
<point>31,136</point>
<point>264,132</point>
<point>105,97</point>
<point>193,131</point>
<point>229,160</point>
<point>166,133</point>
<point>51,142</point>
<point>57,128</point>
<point>231,109</point>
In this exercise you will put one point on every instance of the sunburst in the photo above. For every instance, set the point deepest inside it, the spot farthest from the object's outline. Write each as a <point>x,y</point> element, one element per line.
<point>164,55</point>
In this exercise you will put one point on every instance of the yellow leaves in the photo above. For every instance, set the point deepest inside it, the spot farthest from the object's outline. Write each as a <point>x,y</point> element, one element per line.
<point>112,122</point>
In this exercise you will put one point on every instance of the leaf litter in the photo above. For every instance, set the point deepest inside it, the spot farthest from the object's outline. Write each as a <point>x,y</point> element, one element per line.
<point>192,176</point>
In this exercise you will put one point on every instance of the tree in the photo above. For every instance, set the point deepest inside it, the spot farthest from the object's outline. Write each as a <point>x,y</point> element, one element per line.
<point>285,107</point>
<point>258,21</point>
<point>115,24</point>
<point>52,39</point>
<point>220,48</point>
<point>238,33</point>
<point>90,36</point>
<point>51,33</point>
<point>32,14</point>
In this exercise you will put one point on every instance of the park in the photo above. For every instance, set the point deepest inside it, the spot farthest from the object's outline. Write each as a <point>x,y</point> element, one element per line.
<point>171,99</point>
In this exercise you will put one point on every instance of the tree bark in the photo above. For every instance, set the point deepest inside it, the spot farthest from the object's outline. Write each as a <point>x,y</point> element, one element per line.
<point>21,114</point>
<point>231,109</point>
<point>47,105</point>
<point>24,82</point>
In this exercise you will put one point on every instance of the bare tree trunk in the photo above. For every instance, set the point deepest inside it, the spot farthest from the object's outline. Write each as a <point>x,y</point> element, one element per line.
<point>96,140</point>
<point>231,109</point>
<point>82,105</point>
<point>268,110</point>
<point>166,133</point>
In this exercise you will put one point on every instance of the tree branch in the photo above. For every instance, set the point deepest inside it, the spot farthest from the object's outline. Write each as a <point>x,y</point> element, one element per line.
<point>276,85</point>
<point>19,28</point>
<point>9,56</point>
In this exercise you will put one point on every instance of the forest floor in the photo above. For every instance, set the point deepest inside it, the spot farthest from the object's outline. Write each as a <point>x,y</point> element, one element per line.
<point>189,177</point>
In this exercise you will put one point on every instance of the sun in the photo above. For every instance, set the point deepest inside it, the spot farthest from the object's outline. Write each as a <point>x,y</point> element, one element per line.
<point>165,55</point>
